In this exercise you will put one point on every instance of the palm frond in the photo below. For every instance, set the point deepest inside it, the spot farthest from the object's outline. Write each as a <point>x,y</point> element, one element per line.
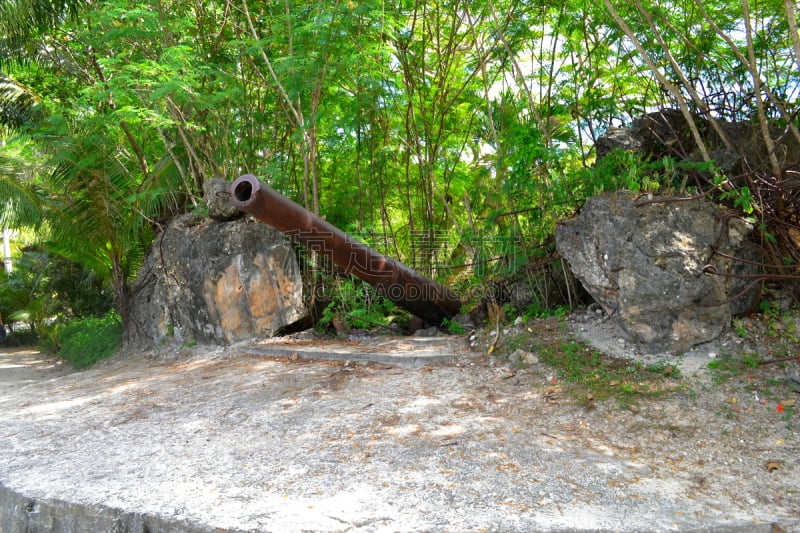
<point>22,20</point>
<point>18,104</point>
<point>164,194</point>
<point>20,202</point>
<point>97,221</point>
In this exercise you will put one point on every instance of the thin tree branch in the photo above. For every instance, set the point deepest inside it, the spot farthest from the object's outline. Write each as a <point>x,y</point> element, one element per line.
<point>751,68</point>
<point>295,113</point>
<point>687,115</point>
<point>793,33</point>
<point>757,83</point>
<point>521,78</point>
<point>684,80</point>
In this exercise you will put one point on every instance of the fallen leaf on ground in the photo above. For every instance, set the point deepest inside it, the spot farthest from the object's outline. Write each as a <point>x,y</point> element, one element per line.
<point>551,393</point>
<point>590,403</point>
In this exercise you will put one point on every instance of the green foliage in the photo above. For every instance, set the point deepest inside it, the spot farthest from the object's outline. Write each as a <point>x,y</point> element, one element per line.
<point>451,326</point>
<point>538,310</point>
<point>738,197</point>
<point>355,305</point>
<point>740,328</point>
<point>25,295</point>
<point>726,366</point>
<point>43,286</point>
<point>626,170</point>
<point>621,169</point>
<point>83,342</point>
<point>458,132</point>
<point>592,375</point>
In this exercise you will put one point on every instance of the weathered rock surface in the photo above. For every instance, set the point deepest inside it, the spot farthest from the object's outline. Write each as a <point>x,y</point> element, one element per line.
<point>646,262</point>
<point>666,133</point>
<point>216,193</point>
<point>215,282</point>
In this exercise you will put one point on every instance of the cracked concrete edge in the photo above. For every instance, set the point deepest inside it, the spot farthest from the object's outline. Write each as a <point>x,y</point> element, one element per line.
<point>28,514</point>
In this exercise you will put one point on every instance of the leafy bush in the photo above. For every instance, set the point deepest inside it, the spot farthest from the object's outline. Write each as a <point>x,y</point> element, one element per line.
<point>80,292</point>
<point>357,306</point>
<point>83,342</point>
<point>621,169</point>
<point>21,337</point>
<point>44,286</point>
<point>24,294</point>
<point>451,326</point>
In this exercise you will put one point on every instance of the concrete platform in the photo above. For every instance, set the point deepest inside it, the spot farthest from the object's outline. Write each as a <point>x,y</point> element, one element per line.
<point>234,440</point>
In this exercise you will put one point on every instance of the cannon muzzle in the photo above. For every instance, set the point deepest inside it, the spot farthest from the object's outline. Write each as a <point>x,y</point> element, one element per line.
<point>392,279</point>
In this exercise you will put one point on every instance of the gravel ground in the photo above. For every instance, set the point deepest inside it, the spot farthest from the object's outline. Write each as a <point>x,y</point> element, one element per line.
<point>212,439</point>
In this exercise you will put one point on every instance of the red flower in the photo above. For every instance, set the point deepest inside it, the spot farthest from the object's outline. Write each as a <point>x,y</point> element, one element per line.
<point>779,408</point>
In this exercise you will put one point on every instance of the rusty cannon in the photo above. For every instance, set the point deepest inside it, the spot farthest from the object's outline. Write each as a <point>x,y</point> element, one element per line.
<point>392,279</point>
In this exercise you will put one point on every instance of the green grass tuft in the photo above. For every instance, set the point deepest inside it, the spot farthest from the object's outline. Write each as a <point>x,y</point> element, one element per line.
<point>589,373</point>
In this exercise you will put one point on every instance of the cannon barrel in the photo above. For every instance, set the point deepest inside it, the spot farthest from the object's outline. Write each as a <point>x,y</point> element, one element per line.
<point>407,288</point>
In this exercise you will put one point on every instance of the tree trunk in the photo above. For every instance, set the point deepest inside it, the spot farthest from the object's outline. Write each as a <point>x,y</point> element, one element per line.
<point>7,250</point>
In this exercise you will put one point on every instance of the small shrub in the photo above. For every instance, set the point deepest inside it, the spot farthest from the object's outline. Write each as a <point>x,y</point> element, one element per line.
<point>358,306</point>
<point>24,337</point>
<point>451,326</point>
<point>85,341</point>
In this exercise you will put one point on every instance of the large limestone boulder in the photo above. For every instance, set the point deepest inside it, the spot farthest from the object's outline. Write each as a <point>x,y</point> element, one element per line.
<point>652,265</point>
<point>214,282</point>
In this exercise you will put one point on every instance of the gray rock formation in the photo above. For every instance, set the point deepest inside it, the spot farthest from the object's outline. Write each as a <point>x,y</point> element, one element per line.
<point>651,265</point>
<point>666,133</point>
<point>214,282</point>
<point>216,193</point>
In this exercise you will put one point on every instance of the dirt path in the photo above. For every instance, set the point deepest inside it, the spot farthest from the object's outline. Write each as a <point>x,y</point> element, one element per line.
<point>21,367</point>
<point>221,440</point>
